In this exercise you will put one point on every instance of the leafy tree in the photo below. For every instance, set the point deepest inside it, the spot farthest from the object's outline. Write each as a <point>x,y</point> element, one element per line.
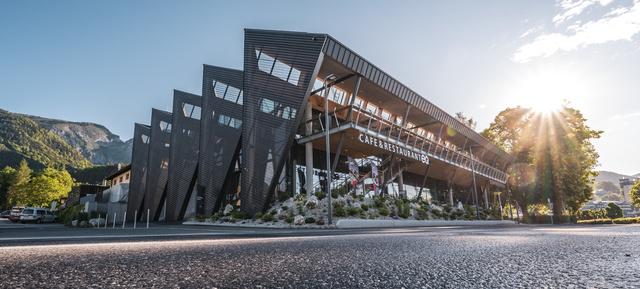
<point>634,193</point>
<point>7,177</point>
<point>607,187</point>
<point>553,157</point>
<point>614,211</point>
<point>468,121</point>
<point>17,192</point>
<point>41,189</point>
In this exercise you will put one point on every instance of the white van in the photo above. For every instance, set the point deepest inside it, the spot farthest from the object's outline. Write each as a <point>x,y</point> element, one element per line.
<point>37,215</point>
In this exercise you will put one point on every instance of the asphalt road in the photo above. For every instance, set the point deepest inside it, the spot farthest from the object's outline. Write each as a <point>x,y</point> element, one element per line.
<point>469,257</point>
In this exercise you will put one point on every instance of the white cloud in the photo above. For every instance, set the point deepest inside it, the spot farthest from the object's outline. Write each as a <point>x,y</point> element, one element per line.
<point>626,115</point>
<point>618,24</point>
<point>574,8</point>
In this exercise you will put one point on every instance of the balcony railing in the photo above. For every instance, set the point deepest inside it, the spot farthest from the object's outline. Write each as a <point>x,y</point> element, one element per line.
<point>376,126</point>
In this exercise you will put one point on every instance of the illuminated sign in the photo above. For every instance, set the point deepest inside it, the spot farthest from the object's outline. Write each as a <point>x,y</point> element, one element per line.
<point>396,149</point>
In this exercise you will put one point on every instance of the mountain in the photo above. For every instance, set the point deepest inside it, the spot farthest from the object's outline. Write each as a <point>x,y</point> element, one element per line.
<point>607,176</point>
<point>95,142</point>
<point>23,138</point>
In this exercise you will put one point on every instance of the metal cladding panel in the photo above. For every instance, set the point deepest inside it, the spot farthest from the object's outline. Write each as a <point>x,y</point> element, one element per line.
<point>139,168</point>
<point>159,149</point>
<point>274,105</point>
<point>337,50</point>
<point>220,134</point>
<point>183,159</point>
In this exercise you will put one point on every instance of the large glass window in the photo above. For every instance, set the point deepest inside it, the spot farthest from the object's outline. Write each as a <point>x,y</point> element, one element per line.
<point>145,138</point>
<point>165,126</point>
<point>277,109</point>
<point>229,121</point>
<point>191,111</point>
<point>227,92</point>
<point>277,68</point>
<point>372,108</point>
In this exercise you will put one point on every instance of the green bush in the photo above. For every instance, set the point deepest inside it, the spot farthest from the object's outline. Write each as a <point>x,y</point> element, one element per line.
<point>268,217</point>
<point>595,221</point>
<point>83,217</point>
<point>364,207</point>
<point>403,209</point>
<point>284,208</point>
<point>309,220</point>
<point>422,214</point>
<point>310,205</point>
<point>239,215</point>
<point>69,214</point>
<point>338,210</point>
<point>635,220</point>
<point>353,211</point>
<point>283,196</point>
<point>289,219</point>
<point>614,211</point>
<point>320,195</point>
<point>320,222</point>
<point>383,211</point>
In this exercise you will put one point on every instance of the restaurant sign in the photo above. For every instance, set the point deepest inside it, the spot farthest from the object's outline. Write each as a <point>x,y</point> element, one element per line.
<point>396,149</point>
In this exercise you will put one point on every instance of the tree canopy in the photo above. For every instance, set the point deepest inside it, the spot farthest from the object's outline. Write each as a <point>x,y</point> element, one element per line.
<point>38,189</point>
<point>553,157</point>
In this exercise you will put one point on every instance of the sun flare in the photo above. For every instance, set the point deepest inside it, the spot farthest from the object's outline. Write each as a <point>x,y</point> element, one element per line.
<point>547,91</point>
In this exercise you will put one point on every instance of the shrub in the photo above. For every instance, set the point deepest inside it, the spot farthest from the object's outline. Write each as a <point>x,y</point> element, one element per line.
<point>383,211</point>
<point>311,205</point>
<point>320,195</point>
<point>320,222</point>
<point>338,210</point>
<point>215,217</point>
<point>352,211</point>
<point>268,217</point>
<point>614,211</point>
<point>69,214</point>
<point>626,220</point>
<point>309,220</point>
<point>595,221</point>
<point>288,219</point>
<point>83,217</point>
<point>284,208</point>
<point>257,216</point>
<point>239,215</point>
<point>364,207</point>
<point>403,209</point>
<point>422,214</point>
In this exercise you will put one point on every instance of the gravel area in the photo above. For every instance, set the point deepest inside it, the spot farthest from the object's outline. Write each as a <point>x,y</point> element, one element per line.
<point>510,257</point>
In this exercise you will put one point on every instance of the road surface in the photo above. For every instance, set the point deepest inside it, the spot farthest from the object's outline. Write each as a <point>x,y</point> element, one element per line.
<point>210,257</point>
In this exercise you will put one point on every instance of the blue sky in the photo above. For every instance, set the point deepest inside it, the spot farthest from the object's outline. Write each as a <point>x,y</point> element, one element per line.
<point>109,62</point>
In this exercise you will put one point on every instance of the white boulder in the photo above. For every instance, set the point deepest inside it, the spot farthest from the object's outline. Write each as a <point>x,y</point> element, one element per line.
<point>227,209</point>
<point>97,222</point>
<point>298,220</point>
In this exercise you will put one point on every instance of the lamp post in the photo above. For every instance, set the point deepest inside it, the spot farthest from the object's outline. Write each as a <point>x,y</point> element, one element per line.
<point>327,145</point>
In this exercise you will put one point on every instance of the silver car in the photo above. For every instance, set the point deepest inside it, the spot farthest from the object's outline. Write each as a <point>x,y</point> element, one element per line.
<point>37,215</point>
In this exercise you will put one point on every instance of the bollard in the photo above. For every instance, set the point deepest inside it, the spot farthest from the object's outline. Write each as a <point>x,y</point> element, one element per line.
<point>98,221</point>
<point>135,218</point>
<point>106,220</point>
<point>114,220</point>
<point>124,219</point>
<point>148,218</point>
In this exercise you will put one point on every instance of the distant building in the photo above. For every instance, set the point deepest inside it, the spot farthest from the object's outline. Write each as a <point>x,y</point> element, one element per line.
<point>628,210</point>
<point>123,175</point>
<point>625,186</point>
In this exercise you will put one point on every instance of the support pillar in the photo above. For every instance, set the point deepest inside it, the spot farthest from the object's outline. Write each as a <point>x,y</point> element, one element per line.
<point>486,197</point>
<point>451,195</point>
<point>308,152</point>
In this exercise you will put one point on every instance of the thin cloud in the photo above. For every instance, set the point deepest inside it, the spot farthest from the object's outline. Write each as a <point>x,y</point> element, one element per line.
<point>574,8</point>
<point>626,115</point>
<point>618,24</point>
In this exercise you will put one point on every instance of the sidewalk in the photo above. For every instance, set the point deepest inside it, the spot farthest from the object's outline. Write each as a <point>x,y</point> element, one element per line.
<point>359,224</point>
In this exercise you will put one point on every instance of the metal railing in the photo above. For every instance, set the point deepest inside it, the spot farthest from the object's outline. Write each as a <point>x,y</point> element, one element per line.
<point>375,125</point>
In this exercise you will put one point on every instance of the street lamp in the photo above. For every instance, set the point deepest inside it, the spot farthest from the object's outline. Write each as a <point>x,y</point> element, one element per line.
<point>327,145</point>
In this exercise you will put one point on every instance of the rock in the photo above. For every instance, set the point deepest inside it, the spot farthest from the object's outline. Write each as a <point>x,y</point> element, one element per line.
<point>83,224</point>
<point>312,202</point>
<point>74,223</point>
<point>97,222</point>
<point>227,210</point>
<point>369,202</point>
<point>298,220</point>
<point>357,205</point>
<point>460,207</point>
<point>435,208</point>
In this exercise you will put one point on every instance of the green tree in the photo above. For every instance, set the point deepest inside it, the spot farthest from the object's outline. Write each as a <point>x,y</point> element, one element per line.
<point>7,177</point>
<point>614,211</point>
<point>18,191</point>
<point>634,193</point>
<point>553,157</point>
<point>43,188</point>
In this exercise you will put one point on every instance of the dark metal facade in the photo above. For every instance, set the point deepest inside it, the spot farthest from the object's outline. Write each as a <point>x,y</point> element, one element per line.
<point>139,168</point>
<point>274,105</point>
<point>183,160</point>
<point>220,133</point>
<point>159,149</point>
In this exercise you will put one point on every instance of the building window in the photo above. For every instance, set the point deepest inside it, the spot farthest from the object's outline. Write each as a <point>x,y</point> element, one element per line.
<point>359,102</point>
<point>191,111</point>
<point>277,109</point>
<point>167,145</point>
<point>229,121</point>
<point>385,115</point>
<point>227,92</point>
<point>165,126</point>
<point>277,68</point>
<point>372,108</point>
<point>144,138</point>
<point>164,164</point>
<point>127,176</point>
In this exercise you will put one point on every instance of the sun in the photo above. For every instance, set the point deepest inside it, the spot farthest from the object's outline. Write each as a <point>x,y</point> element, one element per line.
<point>547,91</point>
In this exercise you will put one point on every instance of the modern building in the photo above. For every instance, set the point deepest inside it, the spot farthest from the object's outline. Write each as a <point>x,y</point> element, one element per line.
<point>262,133</point>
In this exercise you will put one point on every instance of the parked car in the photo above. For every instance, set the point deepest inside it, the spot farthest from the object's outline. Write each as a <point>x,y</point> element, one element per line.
<point>14,216</point>
<point>37,215</point>
<point>5,214</point>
